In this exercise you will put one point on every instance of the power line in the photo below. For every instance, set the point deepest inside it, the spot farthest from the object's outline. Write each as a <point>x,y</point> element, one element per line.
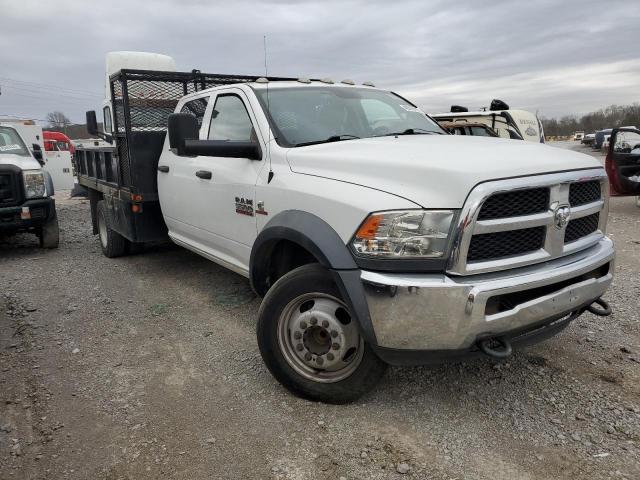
<point>40,89</point>
<point>26,117</point>
<point>52,98</point>
<point>48,96</point>
<point>49,86</point>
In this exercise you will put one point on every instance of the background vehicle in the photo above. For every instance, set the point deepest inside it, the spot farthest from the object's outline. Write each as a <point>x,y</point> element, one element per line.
<point>588,139</point>
<point>25,190</point>
<point>374,237</point>
<point>507,123</point>
<point>599,138</point>
<point>578,136</point>
<point>28,130</point>
<point>57,142</point>
<point>623,162</point>
<point>469,129</point>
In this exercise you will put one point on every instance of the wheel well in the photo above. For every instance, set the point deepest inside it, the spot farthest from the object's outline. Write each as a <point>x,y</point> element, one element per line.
<point>283,256</point>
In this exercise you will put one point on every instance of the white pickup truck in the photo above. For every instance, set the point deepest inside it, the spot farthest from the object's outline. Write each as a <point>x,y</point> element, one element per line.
<point>374,237</point>
<point>26,190</point>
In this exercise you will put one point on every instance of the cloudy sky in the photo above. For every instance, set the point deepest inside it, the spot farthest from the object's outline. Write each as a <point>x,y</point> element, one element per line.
<point>554,57</point>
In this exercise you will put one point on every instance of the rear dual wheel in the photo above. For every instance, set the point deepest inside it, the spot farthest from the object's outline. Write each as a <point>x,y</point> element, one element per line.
<point>310,342</point>
<point>113,244</point>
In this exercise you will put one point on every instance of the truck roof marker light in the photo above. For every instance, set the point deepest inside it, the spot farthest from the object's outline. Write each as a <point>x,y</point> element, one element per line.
<point>262,80</point>
<point>368,84</point>
<point>326,80</point>
<point>304,80</point>
<point>369,229</point>
<point>348,81</point>
<point>136,197</point>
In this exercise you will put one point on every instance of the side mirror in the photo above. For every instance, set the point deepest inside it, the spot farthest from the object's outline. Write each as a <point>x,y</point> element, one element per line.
<point>181,127</point>
<point>92,123</point>
<point>92,127</point>
<point>223,148</point>
<point>183,139</point>
<point>37,153</point>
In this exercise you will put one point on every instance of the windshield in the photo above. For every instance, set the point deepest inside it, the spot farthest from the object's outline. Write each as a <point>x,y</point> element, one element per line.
<point>10,142</point>
<point>308,115</point>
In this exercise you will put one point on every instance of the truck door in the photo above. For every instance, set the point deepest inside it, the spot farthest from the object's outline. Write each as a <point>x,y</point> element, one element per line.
<point>623,162</point>
<point>176,180</point>
<point>228,197</point>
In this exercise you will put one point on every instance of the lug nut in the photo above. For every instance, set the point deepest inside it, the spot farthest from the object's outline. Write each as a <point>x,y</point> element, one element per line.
<point>313,320</point>
<point>325,323</point>
<point>297,335</point>
<point>335,346</point>
<point>307,356</point>
<point>303,325</point>
<point>319,361</point>
<point>334,333</point>
<point>330,356</point>
<point>299,347</point>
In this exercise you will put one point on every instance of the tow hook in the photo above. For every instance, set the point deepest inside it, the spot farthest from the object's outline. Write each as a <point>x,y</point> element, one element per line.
<point>605,311</point>
<point>496,347</point>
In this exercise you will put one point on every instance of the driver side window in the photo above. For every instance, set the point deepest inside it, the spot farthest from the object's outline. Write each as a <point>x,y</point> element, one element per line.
<point>230,120</point>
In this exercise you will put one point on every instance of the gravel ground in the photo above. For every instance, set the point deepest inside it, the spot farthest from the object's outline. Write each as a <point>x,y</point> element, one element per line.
<point>147,367</point>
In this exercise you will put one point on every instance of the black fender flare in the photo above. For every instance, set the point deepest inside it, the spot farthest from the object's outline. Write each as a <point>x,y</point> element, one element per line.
<point>317,237</point>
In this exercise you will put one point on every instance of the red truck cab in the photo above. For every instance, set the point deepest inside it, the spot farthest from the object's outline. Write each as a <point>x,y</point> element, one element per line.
<point>57,141</point>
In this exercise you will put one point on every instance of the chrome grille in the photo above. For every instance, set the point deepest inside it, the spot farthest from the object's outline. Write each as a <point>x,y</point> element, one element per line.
<point>490,246</point>
<point>581,227</point>
<point>513,204</point>
<point>521,221</point>
<point>581,193</point>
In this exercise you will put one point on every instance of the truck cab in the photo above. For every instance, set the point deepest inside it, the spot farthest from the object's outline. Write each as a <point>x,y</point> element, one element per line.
<point>57,142</point>
<point>26,190</point>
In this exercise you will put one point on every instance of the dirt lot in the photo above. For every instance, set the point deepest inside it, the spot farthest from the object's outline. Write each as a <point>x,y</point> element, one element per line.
<point>147,367</point>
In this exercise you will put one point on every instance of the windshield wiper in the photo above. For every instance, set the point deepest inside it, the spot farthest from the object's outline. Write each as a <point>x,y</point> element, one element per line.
<point>412,131</point>
<point>332,138</point>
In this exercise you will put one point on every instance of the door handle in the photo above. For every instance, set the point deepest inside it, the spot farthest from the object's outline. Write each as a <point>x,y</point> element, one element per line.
<point>163,168</point>
<point>204,174</point>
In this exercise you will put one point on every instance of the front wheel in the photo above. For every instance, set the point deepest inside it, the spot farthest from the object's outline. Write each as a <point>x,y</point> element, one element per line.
<point>310,342</point>
<point>49,233</point>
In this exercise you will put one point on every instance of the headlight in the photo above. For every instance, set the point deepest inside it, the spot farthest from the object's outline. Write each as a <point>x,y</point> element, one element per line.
<point>404,234</point>
<point>34,186</point>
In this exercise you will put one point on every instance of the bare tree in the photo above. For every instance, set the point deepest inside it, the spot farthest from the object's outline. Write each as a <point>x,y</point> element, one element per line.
<point>609,117</point>
<point>58,120</point>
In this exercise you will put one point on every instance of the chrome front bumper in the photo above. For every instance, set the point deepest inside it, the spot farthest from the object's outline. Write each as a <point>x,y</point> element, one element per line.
<point>441,312</point>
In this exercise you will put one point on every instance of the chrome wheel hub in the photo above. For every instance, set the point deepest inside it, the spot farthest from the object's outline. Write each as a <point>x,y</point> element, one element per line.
<point>319,339</point>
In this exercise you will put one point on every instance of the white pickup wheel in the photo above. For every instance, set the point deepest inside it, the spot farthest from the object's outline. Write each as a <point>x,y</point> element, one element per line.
<point>113,244</point>
<point>310,342</point>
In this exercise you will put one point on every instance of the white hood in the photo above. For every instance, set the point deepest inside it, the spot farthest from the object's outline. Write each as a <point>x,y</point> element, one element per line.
<point>25,163</point>
<point>434,171</point>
